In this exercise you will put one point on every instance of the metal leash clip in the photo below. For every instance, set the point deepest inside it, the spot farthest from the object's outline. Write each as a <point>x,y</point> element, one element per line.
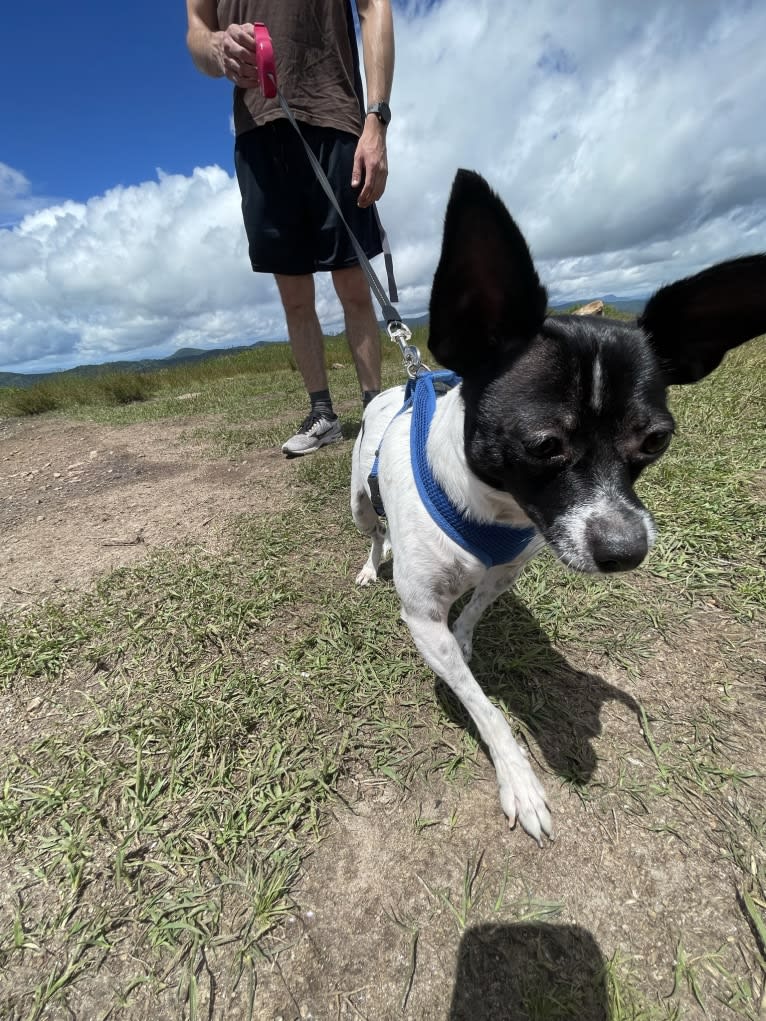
<point>401,335</point>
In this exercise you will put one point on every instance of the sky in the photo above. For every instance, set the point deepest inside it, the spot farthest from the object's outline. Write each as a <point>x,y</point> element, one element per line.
<point>626,139</point>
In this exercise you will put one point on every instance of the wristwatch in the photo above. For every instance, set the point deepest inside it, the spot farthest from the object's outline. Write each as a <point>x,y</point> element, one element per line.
<point>381,110</point>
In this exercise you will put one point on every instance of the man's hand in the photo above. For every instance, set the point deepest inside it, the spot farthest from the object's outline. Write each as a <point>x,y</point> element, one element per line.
<point>229,54</point>
<point>238,56</point>
<point>370,163</point>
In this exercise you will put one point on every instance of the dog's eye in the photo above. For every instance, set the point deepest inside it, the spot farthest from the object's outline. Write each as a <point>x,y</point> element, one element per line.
<point>656,442</point>
<point>547,448</point>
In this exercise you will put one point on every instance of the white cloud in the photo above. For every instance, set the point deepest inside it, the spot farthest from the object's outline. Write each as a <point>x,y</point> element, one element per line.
<point>139,270</point>
<point>625,139</point>
<point>623,129</point>
<point>16,198</point>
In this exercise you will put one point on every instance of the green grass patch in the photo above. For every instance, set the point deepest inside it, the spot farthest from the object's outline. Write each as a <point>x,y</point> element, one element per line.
<point>186,723</point>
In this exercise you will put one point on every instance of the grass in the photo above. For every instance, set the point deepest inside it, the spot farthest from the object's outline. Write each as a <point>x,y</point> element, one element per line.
<point>226,381</point>
<point>199,723</point>
<point>178,734</point>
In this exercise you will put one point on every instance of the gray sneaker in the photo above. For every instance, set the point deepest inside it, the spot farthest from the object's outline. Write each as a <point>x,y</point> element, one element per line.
<point>317,430</point>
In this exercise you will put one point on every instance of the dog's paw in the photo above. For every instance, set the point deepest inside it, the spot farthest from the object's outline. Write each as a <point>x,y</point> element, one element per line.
<point>523,798</point>
<point>367,575</point>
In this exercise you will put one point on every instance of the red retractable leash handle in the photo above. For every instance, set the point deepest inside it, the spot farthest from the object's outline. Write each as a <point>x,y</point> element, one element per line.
<point>264,60</point>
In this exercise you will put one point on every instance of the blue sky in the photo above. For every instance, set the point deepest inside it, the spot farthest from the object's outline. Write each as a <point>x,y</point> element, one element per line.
<point>626,140</point>
<point>97,95</point>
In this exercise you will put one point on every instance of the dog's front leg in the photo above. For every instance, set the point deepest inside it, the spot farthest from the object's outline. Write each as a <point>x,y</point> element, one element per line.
<point>492,585</point>
<point>521,793</point>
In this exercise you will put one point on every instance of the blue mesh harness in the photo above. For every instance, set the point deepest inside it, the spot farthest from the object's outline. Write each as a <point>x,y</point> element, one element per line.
<point>493,544</point>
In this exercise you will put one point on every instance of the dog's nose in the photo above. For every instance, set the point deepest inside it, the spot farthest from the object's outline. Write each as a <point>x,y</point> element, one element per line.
<point>617,544</point>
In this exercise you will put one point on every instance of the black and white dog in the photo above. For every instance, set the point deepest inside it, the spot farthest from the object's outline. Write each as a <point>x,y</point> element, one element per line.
<point>541,440</point>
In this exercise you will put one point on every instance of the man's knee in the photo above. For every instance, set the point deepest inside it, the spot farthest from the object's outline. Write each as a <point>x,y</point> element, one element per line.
<point>297,293</point>
<point>352,288</point>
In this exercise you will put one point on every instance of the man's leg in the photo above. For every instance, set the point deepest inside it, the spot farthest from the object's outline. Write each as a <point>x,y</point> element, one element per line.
<point>303,329</point>
<point>307,344</point>
<point>362,328</point>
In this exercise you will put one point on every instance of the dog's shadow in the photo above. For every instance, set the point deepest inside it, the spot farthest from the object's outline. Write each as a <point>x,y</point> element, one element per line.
<point>529,970</point>
<point>515,663</point>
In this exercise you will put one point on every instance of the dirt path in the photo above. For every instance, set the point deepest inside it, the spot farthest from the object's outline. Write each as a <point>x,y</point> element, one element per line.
<point>79,499</point>
<point>422,905</point>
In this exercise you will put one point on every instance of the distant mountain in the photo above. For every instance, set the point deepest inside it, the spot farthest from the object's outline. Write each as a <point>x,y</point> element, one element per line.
<point>183,354</point>
<point>632,305</point>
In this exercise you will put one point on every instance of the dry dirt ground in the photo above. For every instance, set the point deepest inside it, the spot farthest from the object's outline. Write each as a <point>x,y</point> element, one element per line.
<point>465,920</point>
<point>79,499</point>
<point>424,905</point>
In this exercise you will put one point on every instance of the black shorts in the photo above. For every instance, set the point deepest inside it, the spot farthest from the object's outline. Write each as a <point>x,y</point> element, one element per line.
<point>291,226</point>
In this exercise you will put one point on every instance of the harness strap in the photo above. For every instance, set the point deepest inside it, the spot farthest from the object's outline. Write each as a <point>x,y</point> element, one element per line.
<point>491,543</point>
<point>446,380</point>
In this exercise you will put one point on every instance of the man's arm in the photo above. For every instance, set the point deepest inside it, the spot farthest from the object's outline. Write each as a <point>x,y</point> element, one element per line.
<point>216,53</point>
<point>377,24</point>
<point>203,37</point>
<point>371,164</point>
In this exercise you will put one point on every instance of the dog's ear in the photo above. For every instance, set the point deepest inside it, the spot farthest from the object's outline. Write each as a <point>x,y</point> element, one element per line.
<point>486,296</point>
<point>692,323</point>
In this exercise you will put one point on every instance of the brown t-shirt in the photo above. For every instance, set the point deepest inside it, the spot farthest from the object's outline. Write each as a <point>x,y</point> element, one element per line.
<point>317,62</point>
